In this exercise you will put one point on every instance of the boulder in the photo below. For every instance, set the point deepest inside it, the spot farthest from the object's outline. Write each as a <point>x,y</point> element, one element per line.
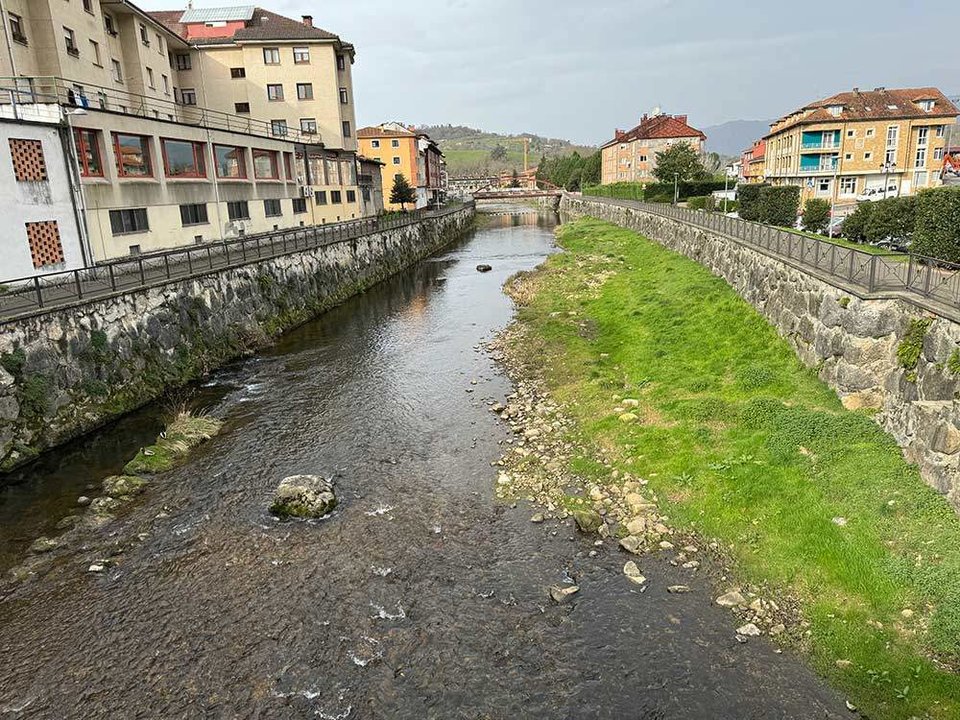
<point>304,496</point>
<point>588,521</point>
<point>484,268</point>
<point>734,598</point>
<point>563,593</point>
<point>123,485</point>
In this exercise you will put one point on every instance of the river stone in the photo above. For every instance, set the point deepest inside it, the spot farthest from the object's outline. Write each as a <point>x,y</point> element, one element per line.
<point>304,496</point>
<point>588,521</point>
<point>734,598</point>
<point>123,485</point>
<point>633,573</point>
<point>104,506</point>
<point>749,630</point>
<point>483,268</point>
<point>563,593</point>
<point>44,545</point>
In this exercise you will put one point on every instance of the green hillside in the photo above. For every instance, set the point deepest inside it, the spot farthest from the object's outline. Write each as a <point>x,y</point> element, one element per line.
<point>471,152</point>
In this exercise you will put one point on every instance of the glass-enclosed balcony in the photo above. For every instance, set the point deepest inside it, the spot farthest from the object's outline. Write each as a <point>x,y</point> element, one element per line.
<point>820,140</point>
<point>810,164</point>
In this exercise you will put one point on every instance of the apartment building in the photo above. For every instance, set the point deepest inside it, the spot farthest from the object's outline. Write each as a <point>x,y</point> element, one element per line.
<point>753,163</point>
<point>406,152</point>
<point>883,141</point>
<point>632,155</point>
<point>153,168</point>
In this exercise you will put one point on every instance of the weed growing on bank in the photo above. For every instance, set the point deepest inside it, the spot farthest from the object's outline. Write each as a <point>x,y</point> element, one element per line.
<point>745,445</point>
<point>184,432</point>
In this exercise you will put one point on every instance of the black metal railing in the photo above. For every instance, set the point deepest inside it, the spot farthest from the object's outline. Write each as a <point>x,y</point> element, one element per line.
<point>919,276</point>
<point>40,293</point>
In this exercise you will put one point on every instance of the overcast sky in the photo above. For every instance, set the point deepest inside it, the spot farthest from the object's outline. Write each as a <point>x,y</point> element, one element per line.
<point>577,69</point>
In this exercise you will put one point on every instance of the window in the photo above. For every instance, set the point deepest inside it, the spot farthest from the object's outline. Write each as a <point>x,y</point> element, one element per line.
<point>241,108</point>
<point>926,105</point>
<point>320,197</point>
<point>188,96</point>
<point>893,135</point>
<point>304,91</point>
<point>299,206</point>
<point>938,154</point>
<point>375,144</point>
<point>150,78</point>
<point>95,52</point>
<point>133,155</point>
<point>271,56</point>
<point>940,130</point>
<point>229,161</point>
<point>271,208</point>
<point>117,70</point>
<point>88,152</point>
<point>921,159</point>
<point>159,43</point>
<point>238,73</point>
<point>265,166</point>
<point>184,62</point>
<point>144,36</point>
<point>165,81</point>
<point>851,133</point>
<point>308,126</point>
<point>70,40</point>
<point>301,55</point>
<point>868,156</point>
<point>351,196</point>
<point>346,128</point>
<point>344,96</point>
<point>108,25</point>
<point>238,210</point>
<point>395,143</point>
<point>835,110</point>
<point>288,165</point>
<point>125,222</point>
<point>16,29</point>
<point>920,179</point>
<point>194,214</point>
<point>274,92</point>
<point>823,185</point>
<point>848,156</point>
<point>183,159</point>
<point>134,250</point>
<point>396,160</point>
<point>336,197</point>
<point>278,128</point>
<point>871,132</point>
<point>890,157</point>
<point>341,63</point>
<point>848,186</point>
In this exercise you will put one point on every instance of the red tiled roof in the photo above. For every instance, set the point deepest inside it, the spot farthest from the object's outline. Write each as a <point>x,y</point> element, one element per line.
<point>380,131</point>
<point>658,127</point>
<point>878,104</point>
<point>264,25</point>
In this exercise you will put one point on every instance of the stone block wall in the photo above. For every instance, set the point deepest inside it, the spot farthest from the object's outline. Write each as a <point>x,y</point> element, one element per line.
<point>65,372</point>
<point>856,343</point>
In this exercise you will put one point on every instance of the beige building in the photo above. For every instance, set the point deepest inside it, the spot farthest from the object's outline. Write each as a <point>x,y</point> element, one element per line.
<point>155,167</point>
<point>862,144</point>
<point>632,155</point>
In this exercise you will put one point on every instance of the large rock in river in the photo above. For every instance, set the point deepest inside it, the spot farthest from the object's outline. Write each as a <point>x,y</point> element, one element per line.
<point>304,496</point>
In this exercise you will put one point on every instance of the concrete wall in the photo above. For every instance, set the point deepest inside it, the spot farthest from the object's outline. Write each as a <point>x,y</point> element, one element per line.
<point>28,202</point>
<point>852,341</point>
<point>68,371</point>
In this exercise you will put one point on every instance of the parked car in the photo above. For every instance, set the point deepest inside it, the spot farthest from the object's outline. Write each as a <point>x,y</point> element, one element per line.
<point>877,193</point>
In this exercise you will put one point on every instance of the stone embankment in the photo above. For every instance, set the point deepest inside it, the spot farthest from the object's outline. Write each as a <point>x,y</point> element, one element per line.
<point>881,354</point>
<point>65,372</point>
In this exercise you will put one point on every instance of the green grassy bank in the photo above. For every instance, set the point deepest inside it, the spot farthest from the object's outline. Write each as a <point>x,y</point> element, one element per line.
<point>745,445</point>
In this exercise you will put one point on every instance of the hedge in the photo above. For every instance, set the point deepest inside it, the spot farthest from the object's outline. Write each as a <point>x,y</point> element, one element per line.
<point>937,229</point>
<point>648,191</point>
<point>779,205</point>
<point>749,198</point>
<point>816,215</point>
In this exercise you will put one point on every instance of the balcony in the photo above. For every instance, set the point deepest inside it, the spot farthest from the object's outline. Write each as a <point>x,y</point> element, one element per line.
<point>820,145</point>
<point>822,168</point>
<point>21,91</point>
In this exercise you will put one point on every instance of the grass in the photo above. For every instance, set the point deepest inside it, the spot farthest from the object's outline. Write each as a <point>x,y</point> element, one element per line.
<point>746,445</point>
<point>183,433</point>
<point>843,242</point>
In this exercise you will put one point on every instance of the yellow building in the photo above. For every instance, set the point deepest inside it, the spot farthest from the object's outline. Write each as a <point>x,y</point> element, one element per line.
<point>865,145</point>
<point>632,155</point>
<point>397,147</point>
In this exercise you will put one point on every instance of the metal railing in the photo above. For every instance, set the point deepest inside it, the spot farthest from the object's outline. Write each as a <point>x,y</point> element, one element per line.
<point>25,91</point>
<point>929,282</point>
<point>44,293</point>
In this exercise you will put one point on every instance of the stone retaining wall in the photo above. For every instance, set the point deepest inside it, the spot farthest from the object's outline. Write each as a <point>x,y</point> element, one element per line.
<point>68,371</point>
<point>852,341</point>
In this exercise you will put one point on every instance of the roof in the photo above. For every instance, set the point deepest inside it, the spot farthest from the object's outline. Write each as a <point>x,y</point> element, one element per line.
<point>223,14</point>
<point>385,130</point>
<point>262,25</point>
<point>878,104</point>
<point>658,127</point>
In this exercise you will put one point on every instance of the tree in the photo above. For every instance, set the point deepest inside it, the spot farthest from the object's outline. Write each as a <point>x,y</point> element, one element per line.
<point>591,169</point>
<point>749,198</point>
<point>498,153</point>
<point>816,215</point>
<point>779,205</point>
<point>515,180</point>
<point>679,160</point>
<point>855,225</point>
<point>938,218</point>
<point>891,218</point>
<point>402,193</point>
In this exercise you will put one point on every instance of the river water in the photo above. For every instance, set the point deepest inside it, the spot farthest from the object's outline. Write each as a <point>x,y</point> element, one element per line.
<point>421,597</point>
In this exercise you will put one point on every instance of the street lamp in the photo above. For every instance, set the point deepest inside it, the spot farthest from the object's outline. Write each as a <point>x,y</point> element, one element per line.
<point>888,167</point>
<point>676,188</point>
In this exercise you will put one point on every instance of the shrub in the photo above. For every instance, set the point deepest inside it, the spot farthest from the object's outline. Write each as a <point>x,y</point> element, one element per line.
<point>891,218</point>
<point>816,215</point>
<point>779,205</point>
<point>937,228</point>
<point>855,226</point>
<point>749,198</point>
<point>698,203</point>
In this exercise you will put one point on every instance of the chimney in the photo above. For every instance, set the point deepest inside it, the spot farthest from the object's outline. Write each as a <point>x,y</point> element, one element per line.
<point>681,118</point>
<point>308,20</point>
<point>644,118</point>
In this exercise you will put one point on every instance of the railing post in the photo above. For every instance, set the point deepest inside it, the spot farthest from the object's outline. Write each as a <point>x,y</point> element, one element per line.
<point>38,289</point>
<point>76,280</point>
<point>166,265</point>
<point>143,280</point>
<point>873,273</point>
<point>113,278</point>
<point>258,247</point>
<point>210,256</point>
<point>189,263</point>
<point>909,271</point>
<point>926,279</point>
<point>853,257</point>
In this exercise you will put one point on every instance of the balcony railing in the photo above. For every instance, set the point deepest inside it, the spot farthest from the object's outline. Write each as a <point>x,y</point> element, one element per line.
<point>55,90</point>
<point>820,145</point>
<point>821,168</point>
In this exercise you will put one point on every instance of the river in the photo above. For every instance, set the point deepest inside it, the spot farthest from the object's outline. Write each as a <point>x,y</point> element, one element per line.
<point>421,597</point>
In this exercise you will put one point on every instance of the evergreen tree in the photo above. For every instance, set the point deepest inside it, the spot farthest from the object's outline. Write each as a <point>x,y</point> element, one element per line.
<point>402,193</point>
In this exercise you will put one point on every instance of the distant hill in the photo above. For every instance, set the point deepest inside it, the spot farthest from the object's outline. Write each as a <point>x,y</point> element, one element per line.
<point>472,152</point>
<point>732,138</point>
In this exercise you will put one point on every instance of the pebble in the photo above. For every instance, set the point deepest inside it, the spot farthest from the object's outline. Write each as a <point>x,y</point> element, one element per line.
<point>96,568</point>
<point>562,593</point>
<point>633,573</point>
<point>749,630</point>
<point>83,501</point>
<point>733,598</point>
<point>538,518</point>
<point>678,589</point>
<point>666,545</point>
<point>691,565</point>
<point>631,544</point>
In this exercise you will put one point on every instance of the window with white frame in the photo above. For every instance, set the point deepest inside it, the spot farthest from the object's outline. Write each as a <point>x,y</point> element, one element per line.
<point>921,159</point>
<point>938,154</point>
<point>923,135</point>
<point>848,186</point>
<point>920,179</point>
<point>117,70</point>
<point>893,135</point>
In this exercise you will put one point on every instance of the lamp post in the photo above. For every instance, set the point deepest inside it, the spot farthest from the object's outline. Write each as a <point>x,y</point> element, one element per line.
<point>888,167</point>
<point>676,188</point>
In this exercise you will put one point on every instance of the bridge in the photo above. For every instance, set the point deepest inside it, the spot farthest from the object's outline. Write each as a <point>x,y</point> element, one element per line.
<point>516,194</point>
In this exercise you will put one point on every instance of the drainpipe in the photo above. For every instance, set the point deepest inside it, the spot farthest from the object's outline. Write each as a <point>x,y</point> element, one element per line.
<point>76,189</point>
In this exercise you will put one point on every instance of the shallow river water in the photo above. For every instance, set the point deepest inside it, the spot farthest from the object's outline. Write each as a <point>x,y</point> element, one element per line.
<point>421,597</point>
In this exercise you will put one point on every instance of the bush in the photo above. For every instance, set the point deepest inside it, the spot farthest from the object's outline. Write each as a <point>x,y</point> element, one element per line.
<point>816,215</point>
<point>937,228</point>
<point>891,218</point>
<point>779,205</point>
<point>698,203</point>
<point>644,191</point>
<point>855,226</point>
<point>749,198</point>
<point>622,191</point>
